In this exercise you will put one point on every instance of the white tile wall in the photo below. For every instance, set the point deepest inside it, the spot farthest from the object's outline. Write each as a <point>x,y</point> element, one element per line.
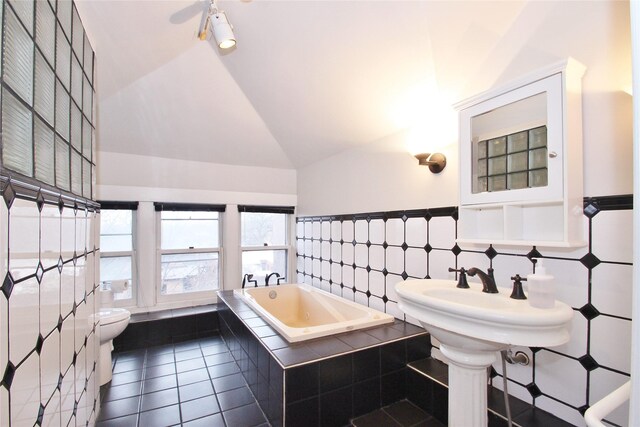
<point>571,376</point>
<point>42,300</point>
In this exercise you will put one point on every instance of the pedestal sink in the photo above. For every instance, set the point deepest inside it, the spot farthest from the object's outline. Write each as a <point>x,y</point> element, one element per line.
<point>472,327</point>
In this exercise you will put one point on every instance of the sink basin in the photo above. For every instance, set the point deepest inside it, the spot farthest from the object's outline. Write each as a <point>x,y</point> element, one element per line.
<point>493,319</point>
<point>472,326</point>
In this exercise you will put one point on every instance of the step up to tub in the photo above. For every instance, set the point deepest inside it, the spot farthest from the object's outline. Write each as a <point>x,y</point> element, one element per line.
<point>432,375</point>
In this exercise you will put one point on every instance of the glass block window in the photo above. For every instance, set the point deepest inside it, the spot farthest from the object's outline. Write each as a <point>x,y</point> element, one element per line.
<point>511,162</point>
<point>47,96</point>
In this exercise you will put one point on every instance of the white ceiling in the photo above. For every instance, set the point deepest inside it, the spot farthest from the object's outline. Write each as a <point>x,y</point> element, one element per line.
<point>308,79</point>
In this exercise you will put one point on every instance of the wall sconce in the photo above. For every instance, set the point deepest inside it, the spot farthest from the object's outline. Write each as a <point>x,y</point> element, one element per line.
<point>435,161</point>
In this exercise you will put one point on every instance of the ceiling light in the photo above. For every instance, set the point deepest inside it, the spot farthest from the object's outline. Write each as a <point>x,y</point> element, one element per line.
<point>222,29</point>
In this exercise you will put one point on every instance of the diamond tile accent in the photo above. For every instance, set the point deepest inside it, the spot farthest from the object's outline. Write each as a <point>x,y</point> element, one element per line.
<point>39,343</point>
<point>583,409</point>
<point>533,390</point>
<point>589,311</point>
<point>368,243</point>
<point>353,265</point>
<point>590,260</point>
<point>404,275</point>
<point>493,373</point>
<point>39,272</point>
<point>9,195</point>
<point>456,250</point>
<point>385,299</point>
<point>7,285</point>
<point>60,264</point>
<point>385,245</point>
<point>368,293</point>
<point>60,322</point>
<point>405,246</point>
<point>534,350</point>
<point>491,252</point>
<point>7,378</point>
<point>588,362</point>
<point>40,201</point>
<point>60,204</point>
<point>353,242</point>
<point>428,248</point>
<point>385,272</point>
<point>40,415</point>
<point>591,210</point>
<point>60,378</point>
<point>533,253</point>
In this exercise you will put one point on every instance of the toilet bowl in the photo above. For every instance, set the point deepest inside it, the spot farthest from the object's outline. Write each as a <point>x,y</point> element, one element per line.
<point>112,322</point>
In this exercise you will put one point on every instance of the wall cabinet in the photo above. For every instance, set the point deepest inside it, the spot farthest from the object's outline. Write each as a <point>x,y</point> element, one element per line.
<point>521,161</point>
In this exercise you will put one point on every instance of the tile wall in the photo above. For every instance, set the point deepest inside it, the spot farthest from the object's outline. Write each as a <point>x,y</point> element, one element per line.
<point>362,256</point>
<point>48,336</point>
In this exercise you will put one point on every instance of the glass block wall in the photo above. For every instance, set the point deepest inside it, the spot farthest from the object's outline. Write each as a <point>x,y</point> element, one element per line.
<point>47,96</point>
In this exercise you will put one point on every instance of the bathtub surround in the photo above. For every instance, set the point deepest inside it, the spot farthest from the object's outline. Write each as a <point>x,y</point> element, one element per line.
<point>326,381</point>
<point>362,256</point>
<point>48,332</point>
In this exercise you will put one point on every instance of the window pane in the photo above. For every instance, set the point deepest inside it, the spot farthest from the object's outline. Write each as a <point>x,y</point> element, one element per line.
<point>181,230</point>
<point>17,151</point>
<point>116,221</point>
<point>116,230</point>
<point>261,263</point>
<point>116,268</point>
<point>264,229</point>
<point>182,273</point>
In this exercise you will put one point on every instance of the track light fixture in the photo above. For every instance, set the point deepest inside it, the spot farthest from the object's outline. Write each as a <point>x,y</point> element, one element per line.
<point>222,29</point>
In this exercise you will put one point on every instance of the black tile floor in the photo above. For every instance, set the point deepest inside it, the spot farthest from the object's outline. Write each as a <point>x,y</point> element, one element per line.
<point>399,414</point>
<point>193,383</point>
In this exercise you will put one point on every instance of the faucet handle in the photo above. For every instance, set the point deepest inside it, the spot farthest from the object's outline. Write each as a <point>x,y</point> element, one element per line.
<point>462,278</point>
<point>280,279</point>
<point>517,292</point>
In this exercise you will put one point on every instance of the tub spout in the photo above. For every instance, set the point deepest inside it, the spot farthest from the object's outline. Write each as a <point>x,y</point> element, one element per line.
<point>266,279</point>
<point>488,282</point>
<point>249,278</point>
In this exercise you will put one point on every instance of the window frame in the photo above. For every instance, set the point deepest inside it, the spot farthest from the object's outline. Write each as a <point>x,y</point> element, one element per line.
<point>289,214</point>
<point>187,296</point>
<point>132,207</point>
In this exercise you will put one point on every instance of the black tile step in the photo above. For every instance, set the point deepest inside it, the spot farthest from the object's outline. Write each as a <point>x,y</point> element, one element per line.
<point>523,414</point>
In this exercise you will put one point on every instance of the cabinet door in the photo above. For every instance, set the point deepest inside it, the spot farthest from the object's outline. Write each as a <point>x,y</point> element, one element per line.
<point>511,146</point>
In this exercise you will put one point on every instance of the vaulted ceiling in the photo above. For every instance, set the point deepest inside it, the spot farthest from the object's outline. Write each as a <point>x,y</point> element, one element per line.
<point>308,79</point>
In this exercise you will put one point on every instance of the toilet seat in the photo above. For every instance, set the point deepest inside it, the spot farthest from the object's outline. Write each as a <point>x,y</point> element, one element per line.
<point>108,316</point>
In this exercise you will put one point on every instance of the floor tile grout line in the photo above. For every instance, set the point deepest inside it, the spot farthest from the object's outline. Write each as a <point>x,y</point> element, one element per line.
<point>215,393</point>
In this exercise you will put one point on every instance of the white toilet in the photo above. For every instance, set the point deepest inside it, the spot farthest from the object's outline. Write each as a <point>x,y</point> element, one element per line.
<point>112,322</point>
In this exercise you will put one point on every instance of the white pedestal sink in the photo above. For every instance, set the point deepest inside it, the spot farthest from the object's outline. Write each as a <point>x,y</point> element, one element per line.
<point>472,327</point>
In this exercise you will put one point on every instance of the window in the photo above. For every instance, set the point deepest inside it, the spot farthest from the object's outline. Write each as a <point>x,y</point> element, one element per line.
<point>117,250</point>
<point>189,250</point>
<point>264,240</point>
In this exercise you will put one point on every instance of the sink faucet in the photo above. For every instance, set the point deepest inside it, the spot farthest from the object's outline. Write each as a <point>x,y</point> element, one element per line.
<point>266,279</point>
<point>488,282</point>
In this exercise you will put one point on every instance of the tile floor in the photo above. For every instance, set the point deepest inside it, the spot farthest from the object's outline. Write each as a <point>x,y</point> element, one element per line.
<point>194,383</point>
<point>399,414</point>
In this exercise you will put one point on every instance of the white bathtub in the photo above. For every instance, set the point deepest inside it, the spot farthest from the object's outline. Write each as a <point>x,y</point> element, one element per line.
<point>302,312</point>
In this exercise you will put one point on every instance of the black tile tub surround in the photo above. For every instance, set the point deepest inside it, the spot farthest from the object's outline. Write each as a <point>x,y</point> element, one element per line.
<point>168,327</point>
<point>326,381</point>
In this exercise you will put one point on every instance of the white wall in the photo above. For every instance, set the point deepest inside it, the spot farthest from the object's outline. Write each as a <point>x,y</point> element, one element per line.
<point>380,176</point>
<point>126,177</point>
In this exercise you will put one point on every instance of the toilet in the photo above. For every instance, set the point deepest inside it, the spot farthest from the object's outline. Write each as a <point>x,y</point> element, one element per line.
<point>112,321</point>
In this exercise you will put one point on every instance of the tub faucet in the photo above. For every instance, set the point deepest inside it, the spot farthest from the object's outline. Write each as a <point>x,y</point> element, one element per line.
<point>488,282</point>
<point>266,279</point>
<point>249,278</point>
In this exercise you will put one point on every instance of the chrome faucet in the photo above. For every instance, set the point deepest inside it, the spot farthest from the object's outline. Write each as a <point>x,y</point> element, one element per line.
<point>266,279</point>
<point>488,282</point>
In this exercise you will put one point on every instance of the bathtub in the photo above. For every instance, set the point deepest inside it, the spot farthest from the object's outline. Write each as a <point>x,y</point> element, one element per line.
<point>302,312</point>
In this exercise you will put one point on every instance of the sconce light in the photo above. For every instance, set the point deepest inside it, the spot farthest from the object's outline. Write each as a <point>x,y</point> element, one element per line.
<point>222,29</point>
<point>435,161</point>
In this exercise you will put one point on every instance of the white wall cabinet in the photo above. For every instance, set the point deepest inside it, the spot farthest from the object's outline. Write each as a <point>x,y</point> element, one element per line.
<point>521,161</point>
